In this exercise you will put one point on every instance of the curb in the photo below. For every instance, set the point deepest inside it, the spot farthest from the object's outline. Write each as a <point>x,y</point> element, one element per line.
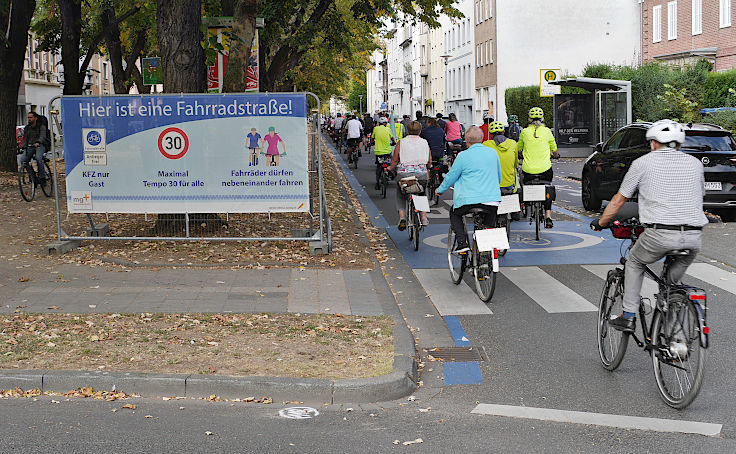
<point>400,382</point>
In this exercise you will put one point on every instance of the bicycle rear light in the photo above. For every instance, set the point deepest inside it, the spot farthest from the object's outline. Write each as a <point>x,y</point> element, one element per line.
<point>697,296</point>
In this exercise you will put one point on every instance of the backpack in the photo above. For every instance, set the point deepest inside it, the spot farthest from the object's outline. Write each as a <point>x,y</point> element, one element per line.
<point>45,122</point>
<point>514,131</point>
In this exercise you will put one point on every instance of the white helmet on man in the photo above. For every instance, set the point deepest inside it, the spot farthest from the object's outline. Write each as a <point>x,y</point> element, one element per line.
<point>666,132</point>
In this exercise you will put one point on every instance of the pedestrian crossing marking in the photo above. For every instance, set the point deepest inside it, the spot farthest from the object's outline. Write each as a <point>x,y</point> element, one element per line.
<point>714,276</point>
<point>450,299</point>
<point>552,295</point>
<point>649,288</point>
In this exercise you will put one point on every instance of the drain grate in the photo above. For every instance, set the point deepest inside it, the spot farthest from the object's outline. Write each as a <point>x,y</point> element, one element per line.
<point>456,354</point>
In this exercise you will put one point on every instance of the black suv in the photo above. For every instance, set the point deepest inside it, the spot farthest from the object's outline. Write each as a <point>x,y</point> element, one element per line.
<point>714,146</point>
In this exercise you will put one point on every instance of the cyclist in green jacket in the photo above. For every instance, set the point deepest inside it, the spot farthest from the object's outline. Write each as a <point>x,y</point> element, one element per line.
<point>507,153</point>
<point>384,139</point>
<point>537,144</point>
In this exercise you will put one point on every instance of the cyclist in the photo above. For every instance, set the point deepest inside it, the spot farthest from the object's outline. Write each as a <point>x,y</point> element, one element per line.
<point>397,129</point>
<point>507,155</point>
<point>537,144</point>
<point>453,130</point>
<point>36,142</point>
<point>384,140</point>
<point>440,121</point>
<point>368,126</point>
<point>338,125</point>
<point>670,185</point>
<point>476,175</point>
<point>354,133</point>
<point>487,120</point>
<point>514,130</point>
<point>411,157</point>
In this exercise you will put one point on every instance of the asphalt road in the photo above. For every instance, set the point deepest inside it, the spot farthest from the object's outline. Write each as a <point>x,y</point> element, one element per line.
<point>535,357</point>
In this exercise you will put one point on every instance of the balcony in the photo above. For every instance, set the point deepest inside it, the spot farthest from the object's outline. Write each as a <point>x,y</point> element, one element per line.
<point>423,69</point>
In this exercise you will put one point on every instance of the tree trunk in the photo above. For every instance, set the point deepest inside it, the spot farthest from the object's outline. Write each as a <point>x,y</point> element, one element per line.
<point>71,31</point>
<point>179,40</point>
<point>115,48</point>
<point>244,29</point>
<point>15,18</point>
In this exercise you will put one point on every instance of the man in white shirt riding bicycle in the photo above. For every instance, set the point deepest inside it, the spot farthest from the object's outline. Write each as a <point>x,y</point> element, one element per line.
<point>354,133</point>
<point>670,187</point>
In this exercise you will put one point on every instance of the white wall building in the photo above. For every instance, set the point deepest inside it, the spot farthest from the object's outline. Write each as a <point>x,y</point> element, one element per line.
<point>566,35</point>
<point>458,41</point>
<point>376,87</point>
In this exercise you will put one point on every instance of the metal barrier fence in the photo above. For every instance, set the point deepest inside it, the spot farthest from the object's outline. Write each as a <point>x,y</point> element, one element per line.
<point>313,226</point>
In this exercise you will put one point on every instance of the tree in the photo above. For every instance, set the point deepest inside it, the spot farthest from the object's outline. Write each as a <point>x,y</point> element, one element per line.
<point>15,17</point>
<point>244,29</point>
<point>179,41</point>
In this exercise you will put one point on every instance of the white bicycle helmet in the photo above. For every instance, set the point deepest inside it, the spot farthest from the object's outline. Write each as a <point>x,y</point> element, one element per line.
<point>666,132</point>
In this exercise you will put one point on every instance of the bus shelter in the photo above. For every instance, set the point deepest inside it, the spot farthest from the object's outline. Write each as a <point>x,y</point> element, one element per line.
<point>585,119</point>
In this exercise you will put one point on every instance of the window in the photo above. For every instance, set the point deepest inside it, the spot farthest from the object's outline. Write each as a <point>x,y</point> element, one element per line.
<point>697,17</point>
<point>484,61</point>
<point>477,13</point>
<point>469,33</point>
<point>104,71</point>
<point>490,8</point>
<point>672,20</point>
<point>657,24</point>
<point>477,56</point>
<point>490,51</point>
<point>725,13</point>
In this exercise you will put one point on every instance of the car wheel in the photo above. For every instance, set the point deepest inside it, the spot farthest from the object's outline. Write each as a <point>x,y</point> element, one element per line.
<point>590,201</point>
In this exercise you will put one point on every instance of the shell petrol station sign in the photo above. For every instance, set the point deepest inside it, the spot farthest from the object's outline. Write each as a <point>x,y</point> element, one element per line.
<point>545,77</point>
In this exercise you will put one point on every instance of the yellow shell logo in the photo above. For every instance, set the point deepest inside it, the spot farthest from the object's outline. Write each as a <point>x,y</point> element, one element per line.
<point>549,76</point>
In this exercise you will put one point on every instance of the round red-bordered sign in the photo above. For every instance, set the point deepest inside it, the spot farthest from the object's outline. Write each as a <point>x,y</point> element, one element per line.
<point>177,143</point>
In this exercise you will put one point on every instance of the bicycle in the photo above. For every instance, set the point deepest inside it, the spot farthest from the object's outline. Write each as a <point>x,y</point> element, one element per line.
<point>411,187</point>
<point>485,264</point>
<point>28,179</point>
<point>434,181</point>
<point>383,161</point>
<point>677,336</point>
<point>352,151</point>
<point>504,218</point>
<point>535,193</point>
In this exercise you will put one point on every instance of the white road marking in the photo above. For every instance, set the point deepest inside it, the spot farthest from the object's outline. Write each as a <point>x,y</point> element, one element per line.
<point>547,291</point>
<point>714,276</point>
<point>649,288</point>
<point>438,212</point>
<point>601,419</point>
<point>450,299</point>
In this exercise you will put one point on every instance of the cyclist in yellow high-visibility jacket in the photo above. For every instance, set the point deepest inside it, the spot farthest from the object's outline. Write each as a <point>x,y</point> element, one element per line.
<point>537,144</point>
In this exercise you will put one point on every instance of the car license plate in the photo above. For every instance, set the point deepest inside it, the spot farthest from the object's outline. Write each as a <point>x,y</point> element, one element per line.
<point>713,186</point>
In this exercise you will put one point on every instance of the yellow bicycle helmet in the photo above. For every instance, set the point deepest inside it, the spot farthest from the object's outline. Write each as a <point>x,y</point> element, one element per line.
<point>536,113</point>
<point>495,126</point>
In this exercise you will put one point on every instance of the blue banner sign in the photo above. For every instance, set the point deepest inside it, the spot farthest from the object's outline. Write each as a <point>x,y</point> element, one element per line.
<point>189,153</point>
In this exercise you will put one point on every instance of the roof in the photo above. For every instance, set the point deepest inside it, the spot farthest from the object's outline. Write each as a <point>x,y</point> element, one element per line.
<point>593,84</point>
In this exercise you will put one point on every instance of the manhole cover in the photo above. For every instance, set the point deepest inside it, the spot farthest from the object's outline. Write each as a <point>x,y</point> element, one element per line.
<point>456,354</point>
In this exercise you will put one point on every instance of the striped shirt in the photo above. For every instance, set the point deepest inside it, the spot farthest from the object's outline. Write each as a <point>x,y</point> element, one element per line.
<point>671,187</point>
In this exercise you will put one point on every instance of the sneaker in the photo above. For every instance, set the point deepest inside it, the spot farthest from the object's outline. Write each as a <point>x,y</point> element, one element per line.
<point>462,248</point>
<point>548,224</point>
<point>620,323</point>
<point>402,225</point>
<point>377,186</point>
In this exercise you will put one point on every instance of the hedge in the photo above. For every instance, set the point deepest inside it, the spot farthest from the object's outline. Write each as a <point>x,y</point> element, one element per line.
<point>520,99</point>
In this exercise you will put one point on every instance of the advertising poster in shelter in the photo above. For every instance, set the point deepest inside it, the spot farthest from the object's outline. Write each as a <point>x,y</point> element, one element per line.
<point>574,120</point>
<point>196,153</point>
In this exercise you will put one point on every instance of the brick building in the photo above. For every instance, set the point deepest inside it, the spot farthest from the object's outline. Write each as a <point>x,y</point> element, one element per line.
<point>681,31</point>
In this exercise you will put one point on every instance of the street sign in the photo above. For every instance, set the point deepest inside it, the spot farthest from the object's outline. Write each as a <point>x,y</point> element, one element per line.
<point>186,153</point>
<point>545,77</point>
<point>152,73</point>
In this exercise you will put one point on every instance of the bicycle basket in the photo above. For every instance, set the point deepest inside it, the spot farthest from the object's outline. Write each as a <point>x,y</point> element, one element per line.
<point>411,186</point>
<point>625,233</point>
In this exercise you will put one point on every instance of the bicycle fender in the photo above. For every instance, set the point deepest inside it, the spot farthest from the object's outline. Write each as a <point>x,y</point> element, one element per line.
<point>699,299</point>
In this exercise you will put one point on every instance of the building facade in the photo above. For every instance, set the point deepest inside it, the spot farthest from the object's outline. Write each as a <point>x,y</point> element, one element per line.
<point>681,31</point>
<point>486,77</point>
<point>459,54</point>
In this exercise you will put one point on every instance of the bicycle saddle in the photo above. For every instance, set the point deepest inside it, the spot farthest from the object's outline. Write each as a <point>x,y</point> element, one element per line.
<point>477,211</point>
<point>679,252</point>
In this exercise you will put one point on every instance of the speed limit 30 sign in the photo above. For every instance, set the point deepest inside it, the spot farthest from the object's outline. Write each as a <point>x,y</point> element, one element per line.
<point>173,143</point>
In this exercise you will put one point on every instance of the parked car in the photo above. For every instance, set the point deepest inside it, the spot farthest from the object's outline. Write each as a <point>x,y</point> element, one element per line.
<point>714,146</point>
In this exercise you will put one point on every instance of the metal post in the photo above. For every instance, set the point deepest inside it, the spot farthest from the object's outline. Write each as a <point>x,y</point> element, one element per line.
<point>53,160</point>
<point>186,218</point>
<point>319,177</point>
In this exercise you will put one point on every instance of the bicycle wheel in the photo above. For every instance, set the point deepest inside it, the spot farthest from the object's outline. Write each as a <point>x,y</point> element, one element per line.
<point>485,278</point>
<point>612,343</point>
<point>47,187</point>
<point>504,222</point>
<point>455,261</point>
<point>355,160</point>
<point>25,183</point>
<point>538,217</point>
<point>677,355</point>
<point>384,184</point>
<point>416,227</point>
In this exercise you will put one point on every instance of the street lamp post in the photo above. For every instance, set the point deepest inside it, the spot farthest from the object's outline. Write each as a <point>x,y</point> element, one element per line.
<point>360,110</point>
<point>447,82</point>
